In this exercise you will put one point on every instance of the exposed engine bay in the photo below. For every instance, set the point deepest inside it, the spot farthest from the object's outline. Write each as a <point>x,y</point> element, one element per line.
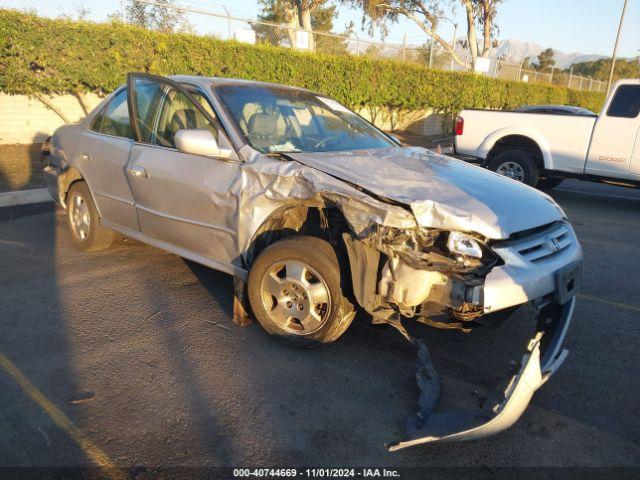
<point>417,276</point>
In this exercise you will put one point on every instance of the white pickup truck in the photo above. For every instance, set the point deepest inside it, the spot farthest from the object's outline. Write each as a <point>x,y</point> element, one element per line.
<point>542,149</point>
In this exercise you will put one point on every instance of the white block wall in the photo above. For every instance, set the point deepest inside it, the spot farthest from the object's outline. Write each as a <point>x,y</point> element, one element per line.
<point>27,120</point>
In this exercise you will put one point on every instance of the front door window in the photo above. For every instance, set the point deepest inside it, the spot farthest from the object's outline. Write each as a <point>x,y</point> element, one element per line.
<point>162,109</point>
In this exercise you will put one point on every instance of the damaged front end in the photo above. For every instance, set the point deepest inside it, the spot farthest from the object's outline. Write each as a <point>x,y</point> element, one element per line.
<point>458,263</point>
<point>417,274</point>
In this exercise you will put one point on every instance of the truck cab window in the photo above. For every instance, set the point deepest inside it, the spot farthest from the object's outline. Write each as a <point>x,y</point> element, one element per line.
<point>626,102</point>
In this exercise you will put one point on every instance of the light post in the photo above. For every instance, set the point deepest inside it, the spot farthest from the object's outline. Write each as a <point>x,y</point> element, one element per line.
<point>615,46</point>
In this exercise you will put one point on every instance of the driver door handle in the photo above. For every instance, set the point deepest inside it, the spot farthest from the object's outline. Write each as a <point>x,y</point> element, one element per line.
<point>138,171</point>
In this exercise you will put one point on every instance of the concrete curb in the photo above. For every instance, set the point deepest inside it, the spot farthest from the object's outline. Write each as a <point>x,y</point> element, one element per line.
<point>25,197</point>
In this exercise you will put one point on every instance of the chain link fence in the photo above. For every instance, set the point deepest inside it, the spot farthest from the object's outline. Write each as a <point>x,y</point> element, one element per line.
<point>517,71</point>
<point>207,18</point>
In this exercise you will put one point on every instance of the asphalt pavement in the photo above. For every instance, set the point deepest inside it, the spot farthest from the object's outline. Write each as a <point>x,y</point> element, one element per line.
<point>129,358</point>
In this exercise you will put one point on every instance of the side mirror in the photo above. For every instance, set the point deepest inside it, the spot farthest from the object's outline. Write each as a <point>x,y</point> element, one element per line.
<point>200,142</point>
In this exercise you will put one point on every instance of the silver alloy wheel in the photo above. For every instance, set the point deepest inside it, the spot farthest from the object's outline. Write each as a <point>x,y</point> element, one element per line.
<point>79,217</point>
<point>295,297</point>
<point>511,170</point>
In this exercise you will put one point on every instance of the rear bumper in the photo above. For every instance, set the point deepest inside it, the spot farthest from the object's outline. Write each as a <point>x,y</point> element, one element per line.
<point>51,176</point>
<point>543,356</point>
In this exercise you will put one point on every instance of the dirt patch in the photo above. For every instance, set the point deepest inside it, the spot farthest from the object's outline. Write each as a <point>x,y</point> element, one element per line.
<point>20,167</point>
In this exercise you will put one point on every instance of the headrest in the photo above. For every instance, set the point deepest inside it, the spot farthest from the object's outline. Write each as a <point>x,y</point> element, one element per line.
<point>263,125</point>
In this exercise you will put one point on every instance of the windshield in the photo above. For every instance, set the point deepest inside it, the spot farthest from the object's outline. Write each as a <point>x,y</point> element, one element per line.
<point>275,119</point>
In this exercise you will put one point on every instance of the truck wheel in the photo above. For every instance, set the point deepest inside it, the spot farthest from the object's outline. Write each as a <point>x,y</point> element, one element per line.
<point>517,165</point>
<point>548,183</point>
<point>84,221</point>
<point>295,292</point>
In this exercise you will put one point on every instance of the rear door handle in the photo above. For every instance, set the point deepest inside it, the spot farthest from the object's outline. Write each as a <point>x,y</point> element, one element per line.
<point>138,171</point>
<point>86,157</point>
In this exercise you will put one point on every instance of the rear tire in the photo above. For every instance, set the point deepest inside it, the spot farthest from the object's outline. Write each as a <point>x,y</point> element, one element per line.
<point>549,183</point>
<point>295,291</point>
<point>517,165</point>
<point>84,221</point>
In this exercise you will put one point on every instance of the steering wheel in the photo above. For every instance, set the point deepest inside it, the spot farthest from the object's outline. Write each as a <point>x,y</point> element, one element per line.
<point>326,140</point>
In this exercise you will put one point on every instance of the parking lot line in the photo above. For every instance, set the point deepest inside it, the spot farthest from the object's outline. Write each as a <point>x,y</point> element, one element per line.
<point>61,420</point>
<point>609,302</point>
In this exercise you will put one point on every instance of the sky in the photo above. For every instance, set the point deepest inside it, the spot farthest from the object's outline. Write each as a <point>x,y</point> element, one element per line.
<point>586,26</point>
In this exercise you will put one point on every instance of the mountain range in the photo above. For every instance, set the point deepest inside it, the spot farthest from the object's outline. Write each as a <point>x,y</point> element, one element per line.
<point>514,50</point>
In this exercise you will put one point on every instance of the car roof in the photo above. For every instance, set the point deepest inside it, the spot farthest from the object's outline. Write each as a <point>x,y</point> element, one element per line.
<point>218,81</point>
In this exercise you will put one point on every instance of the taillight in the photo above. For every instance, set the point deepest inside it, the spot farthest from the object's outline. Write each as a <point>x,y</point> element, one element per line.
<point>459,125</point>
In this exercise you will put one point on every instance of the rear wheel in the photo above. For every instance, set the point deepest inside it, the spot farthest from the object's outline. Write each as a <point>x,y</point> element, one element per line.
<point>84,221</point>
<point>295,292</point>
<point>517,165</point>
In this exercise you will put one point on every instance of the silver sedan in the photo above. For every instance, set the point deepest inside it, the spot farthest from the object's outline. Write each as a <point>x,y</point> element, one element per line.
<point>313,210</point>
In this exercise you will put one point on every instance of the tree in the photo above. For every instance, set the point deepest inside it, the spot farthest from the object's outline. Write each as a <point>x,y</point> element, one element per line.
<point>157,17</point>
<point>427,15</point>
<point>309,15</point>
<point>546,60</point>
<point>306,8</point>
<point>599,69</point>
<point>287,12</point>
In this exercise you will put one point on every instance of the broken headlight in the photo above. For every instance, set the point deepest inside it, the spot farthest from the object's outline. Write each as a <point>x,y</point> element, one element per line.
<point>462,244</point>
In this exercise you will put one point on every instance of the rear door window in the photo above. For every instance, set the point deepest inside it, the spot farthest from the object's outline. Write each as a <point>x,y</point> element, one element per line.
<point>113,119</point>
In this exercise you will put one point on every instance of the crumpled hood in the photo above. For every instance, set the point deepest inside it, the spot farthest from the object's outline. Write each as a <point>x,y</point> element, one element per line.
<point>441,191</point>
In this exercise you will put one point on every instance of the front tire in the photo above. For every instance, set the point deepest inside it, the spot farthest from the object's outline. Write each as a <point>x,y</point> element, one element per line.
<point>84,221</point>
<point>296,294</point>
<point>517,165</point>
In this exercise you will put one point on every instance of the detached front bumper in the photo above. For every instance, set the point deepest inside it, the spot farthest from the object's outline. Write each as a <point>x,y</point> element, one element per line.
<point>543,356</point>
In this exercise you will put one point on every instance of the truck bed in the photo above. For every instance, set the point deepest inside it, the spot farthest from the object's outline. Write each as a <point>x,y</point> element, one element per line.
<point>567,136</point>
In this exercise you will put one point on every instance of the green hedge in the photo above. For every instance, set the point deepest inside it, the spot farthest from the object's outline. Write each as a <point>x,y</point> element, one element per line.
<point>39,55</point>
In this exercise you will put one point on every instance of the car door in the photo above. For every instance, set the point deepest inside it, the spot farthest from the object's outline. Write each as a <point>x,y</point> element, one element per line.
<point>182,199</point>
<point>615,134</point>
<point>102,157</point>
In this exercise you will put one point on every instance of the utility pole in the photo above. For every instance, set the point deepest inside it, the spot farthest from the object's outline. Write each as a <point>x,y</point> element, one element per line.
<point>520,68</point>
<point>453,43</point>
<point>615,46</point>
<point>122,2</point>
<point>570,75</point>
<point>404,46</point>
<point>431,52</point>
